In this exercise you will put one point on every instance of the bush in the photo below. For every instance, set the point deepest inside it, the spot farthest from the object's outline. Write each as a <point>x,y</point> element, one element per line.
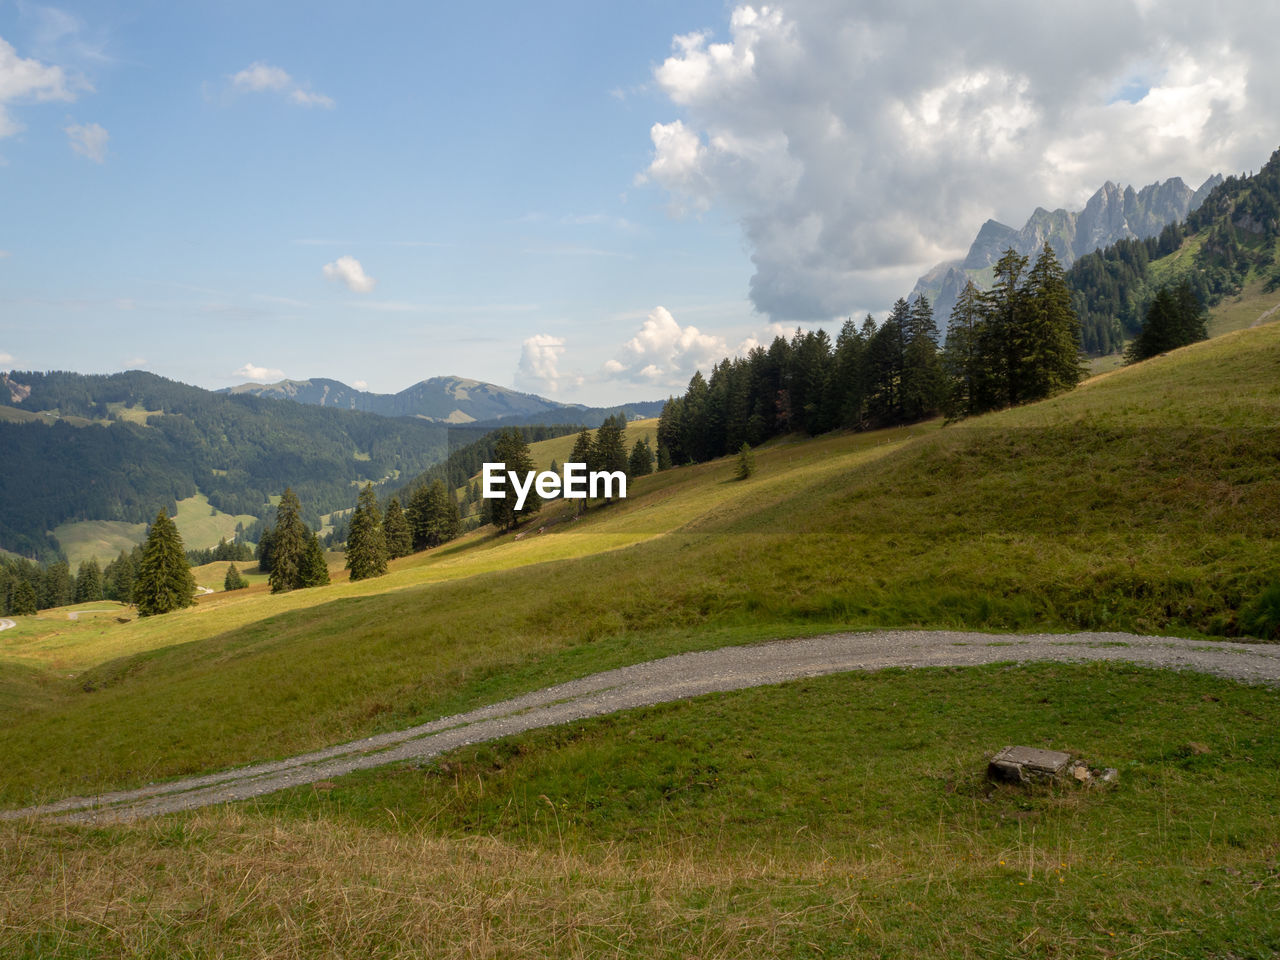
<point>1260,617</point>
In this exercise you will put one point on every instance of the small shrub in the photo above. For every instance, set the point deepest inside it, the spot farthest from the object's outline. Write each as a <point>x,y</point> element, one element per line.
<point>1260,617</point>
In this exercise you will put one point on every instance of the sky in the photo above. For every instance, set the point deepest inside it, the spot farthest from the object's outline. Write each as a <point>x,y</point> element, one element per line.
<point>582,200</point>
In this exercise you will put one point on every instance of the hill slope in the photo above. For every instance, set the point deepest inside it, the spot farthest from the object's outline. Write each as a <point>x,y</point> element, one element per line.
<point>121,447</point>
<point>1146,500</point>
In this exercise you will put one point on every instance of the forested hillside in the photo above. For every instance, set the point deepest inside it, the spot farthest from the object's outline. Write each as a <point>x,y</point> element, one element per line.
<point>1229,237</point>
<point>146,442</point>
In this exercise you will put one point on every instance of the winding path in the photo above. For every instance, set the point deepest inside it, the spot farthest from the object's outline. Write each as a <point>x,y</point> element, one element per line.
<point>7,624</point>
<point>672,678</point>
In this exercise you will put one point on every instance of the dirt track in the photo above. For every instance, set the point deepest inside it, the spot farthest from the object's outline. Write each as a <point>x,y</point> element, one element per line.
<point>672,678</point>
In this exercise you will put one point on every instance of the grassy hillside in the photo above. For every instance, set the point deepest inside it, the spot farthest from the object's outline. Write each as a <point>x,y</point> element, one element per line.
<point>200,525</point>
<point>1146,500</point>
<point>841,816</point>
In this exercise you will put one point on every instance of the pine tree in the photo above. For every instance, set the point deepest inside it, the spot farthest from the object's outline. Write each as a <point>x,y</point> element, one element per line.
<point>288,544</point>
<point>960,357</point>
<point>608,451</point>
<point>164,580</point>
<point>746,462</point>
<point>233,580</point>
<point>418,515</point>
<point>582,449</point>
<point>922,381</point>
<point>119,576</point>
<point>23,602</point>
<point>56,587</point>
<point>512,452</point>
<point>1050,352</point>
<point>664,458</point>
<point>640,463</point>
<point>396,530</point>
<point>1003,335</point>
<point>1174,318</point>
<point>314,571</point>
<point>366,540</point>
<point>88,581</point>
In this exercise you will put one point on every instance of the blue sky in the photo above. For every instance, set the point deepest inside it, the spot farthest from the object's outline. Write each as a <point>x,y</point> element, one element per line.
<point>586,200</point>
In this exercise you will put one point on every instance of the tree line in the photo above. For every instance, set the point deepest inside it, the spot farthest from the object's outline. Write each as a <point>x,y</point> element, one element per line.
<point>1236,227</point>
<point>1013,344</point>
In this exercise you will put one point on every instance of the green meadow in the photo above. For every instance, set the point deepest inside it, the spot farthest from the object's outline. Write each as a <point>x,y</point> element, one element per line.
<point>842,816</point>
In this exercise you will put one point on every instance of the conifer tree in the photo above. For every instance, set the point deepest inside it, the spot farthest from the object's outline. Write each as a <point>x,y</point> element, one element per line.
<point>640,464</point>
<point>164,580</point>
<point>746,462</point>
<point>314,571</point>
<point>88,581</point>
<point>395,528</point>
<point>922,381</point>
<point>233,579</point>
<point>119,576</point>
<point>512,451</point>
<point>960,357</point>
<point>443,518</point>
<point>582,447</point>
<point>366,540</point>
<point>1174,318</point>
<point>664,458</point>
<point>288,544</point>
<point>23,601</point>
<point>1050,351</point>
<point>608,451</point>
<point>56,586</point>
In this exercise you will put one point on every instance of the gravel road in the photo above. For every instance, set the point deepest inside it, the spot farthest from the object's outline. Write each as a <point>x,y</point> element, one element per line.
<point>660,681</point>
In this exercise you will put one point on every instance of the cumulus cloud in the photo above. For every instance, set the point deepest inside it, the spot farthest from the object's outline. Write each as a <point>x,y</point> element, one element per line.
<point>251,371</point>
<point>859,144</point>
<point>349,271</point>
<point>6,359</point>
<point>27,79</point>
<point>539,367</point>
<point>260,77</point>
<point>88,140</point>
<point>361,385</point>
<point>664,353</point>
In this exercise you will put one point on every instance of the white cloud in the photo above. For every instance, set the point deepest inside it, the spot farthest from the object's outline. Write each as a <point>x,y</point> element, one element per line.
<point>262,77</point>
<point>134,363</point>
<point>88,140</point>
<point>349,271</point>
<point>251,371</point>
<point>539,367</point>
<point>859,144</point>
<point>27,79</point>
<point>4,254</point>
<point>361,385</point>
<point>6,359</point>
<point>663,352</point>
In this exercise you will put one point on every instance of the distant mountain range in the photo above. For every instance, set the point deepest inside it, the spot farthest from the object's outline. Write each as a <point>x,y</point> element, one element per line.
<point>1112,213</point>
<point>454,400</point>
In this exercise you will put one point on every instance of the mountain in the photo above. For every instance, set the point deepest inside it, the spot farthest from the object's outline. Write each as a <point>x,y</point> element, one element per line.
<point>1226,247</point>
<point>455,400</point>
<point>121,447</point>
<point>1113,213</point>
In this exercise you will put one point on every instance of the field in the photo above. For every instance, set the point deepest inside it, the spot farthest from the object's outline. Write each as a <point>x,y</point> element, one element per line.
<point>199,524</point>
<point>847,814</point>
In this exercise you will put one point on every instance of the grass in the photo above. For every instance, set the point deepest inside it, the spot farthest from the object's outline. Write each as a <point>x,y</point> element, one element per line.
<point>560,449</point>
<point>1146,500</point>
<point>100,539</point>
<point>200,525</point>
<point>839,816</point>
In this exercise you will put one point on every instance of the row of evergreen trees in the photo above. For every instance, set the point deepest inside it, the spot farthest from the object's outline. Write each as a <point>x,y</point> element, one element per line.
<point>1013,344</point>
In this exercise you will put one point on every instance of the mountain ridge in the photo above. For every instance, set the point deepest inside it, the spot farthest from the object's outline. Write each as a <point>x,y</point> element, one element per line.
<point>445,399</point>
<point>1113,213</point>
